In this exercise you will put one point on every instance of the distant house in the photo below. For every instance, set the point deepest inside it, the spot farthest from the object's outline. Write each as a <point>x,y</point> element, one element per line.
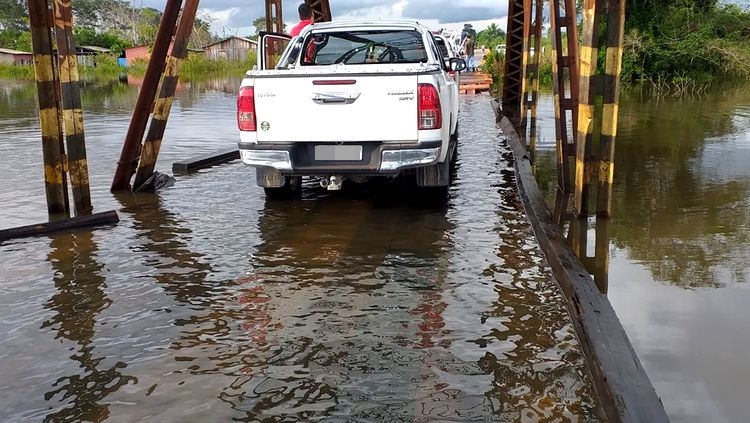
<point>233,48</point>
<point>15,57</point>
<point>137,52</point>
<point>87,54</point>
<point>144,52</point>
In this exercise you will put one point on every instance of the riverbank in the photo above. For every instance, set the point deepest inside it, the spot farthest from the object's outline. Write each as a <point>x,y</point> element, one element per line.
<point>194,67</point>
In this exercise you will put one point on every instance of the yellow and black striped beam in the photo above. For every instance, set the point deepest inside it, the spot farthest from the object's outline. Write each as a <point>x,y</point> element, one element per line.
<point>72,111</point>
<point>321,10</point>
<point>154,136</point>
<point>47,83</point>
<point>146,96</point>
<point>565,79</point>
<point>598,104</point>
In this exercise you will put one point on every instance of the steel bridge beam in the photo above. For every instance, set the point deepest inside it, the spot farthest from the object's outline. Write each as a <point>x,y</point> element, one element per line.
<point>274,17</point>
<point>131,148</point>
<point>603,27</point>
<point>565,80</point>
<point>514,64</point>
<point>530,87</point>
<point>321,10</point>
<point>170,78</point>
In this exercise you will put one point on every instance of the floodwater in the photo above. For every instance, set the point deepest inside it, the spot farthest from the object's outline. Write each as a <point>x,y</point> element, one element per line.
<point>208,303</point>
<point>679,245</point>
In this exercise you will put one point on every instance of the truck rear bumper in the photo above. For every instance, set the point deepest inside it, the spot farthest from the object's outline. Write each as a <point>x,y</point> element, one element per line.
<point>376,158</point>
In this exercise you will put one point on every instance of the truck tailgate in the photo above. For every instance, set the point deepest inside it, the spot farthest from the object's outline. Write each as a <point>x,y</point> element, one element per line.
<point>342,108</point>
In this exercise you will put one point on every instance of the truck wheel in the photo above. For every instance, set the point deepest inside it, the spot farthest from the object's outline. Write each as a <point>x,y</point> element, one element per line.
<point>292,189</point>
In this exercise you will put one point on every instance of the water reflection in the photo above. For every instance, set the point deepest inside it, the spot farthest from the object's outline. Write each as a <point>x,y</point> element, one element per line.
<point>162,236</point>
<point>341,298</point>
<point>79,299</point>
<point>579,234</point>
<point>683,179</point>
<point>540,340</point>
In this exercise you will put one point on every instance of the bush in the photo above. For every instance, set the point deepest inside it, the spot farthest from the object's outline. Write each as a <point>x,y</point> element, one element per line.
<point>683,43</point>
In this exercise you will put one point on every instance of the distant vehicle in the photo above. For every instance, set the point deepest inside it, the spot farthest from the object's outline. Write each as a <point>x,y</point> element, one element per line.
<point>446,46</point>
<point>448,50</point>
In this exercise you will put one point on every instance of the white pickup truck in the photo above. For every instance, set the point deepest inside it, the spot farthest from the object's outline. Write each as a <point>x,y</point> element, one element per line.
<point>349,101</point>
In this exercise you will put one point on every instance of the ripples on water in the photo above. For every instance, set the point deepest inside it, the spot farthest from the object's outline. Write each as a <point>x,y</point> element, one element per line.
<point>207,303</point>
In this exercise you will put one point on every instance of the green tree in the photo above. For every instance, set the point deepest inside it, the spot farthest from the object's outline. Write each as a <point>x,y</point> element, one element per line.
<point>13,16</point>
<point>259,24</point>
<point>14,22</point>
<point>469,29</point>
<point>201,35</point>
<point>491,36</point>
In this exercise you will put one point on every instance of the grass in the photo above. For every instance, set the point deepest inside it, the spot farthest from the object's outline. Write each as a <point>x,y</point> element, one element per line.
<point>195,67</point>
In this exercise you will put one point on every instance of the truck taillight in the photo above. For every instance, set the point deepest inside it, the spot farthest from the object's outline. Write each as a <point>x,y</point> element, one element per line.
<point>246,109</point>
<point>428,107</point>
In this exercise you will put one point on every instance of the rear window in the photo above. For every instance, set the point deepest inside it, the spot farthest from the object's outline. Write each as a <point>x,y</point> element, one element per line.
<point>362,47</point>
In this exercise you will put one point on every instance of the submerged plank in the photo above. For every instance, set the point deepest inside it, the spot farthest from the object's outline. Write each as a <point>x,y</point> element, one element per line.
<point>105,218</point>
<point>204,161</point>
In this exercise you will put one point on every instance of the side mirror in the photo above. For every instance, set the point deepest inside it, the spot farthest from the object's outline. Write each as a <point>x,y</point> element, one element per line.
<point>456,64</point>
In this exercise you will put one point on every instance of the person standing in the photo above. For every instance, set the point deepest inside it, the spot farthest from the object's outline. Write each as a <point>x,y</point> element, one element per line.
<point>305,19</point>
<point>469,46</point>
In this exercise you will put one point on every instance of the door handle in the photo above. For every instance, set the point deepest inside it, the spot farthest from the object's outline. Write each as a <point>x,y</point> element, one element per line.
<point>335,98</point>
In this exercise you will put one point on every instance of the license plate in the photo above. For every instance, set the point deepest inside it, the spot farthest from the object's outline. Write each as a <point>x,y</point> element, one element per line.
<point>338,152</point>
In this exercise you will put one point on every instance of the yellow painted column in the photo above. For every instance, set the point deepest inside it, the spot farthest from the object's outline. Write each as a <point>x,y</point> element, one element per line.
<point>47,82</point>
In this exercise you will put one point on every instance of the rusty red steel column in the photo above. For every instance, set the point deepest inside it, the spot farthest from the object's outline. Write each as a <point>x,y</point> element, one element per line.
<point>50,119</point>
<point>565,80</point>
<point>144,103</point>
<point>321,10</point>
<point>274,17</point>
<point>152,144</point>
<point>533,17</point>
<point>513,74</point>
<point>78,169</point>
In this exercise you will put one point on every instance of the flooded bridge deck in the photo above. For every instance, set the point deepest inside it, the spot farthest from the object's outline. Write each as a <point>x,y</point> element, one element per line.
<point>208,302</point>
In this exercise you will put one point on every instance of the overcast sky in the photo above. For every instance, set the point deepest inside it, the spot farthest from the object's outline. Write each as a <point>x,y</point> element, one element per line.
<point>235,17</point>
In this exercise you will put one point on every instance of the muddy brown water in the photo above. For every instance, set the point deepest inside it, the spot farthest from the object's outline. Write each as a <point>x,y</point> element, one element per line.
<point>208,303</point>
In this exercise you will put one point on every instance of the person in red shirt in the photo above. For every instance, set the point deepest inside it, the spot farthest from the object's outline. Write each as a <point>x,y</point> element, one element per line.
<point>305,19</point>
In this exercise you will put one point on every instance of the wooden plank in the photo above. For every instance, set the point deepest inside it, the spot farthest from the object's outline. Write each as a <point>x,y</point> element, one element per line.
<point>105,218</point>
<point>204,161</point>
<point>624,390</point>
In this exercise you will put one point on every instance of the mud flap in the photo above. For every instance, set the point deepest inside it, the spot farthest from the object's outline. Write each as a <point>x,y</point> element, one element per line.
<point>434,176</point>
<point>438,175</point>
<point>268,177</point>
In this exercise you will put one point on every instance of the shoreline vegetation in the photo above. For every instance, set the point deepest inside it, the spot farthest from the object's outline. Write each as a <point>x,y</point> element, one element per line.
<point>670,47</point>
<point>194,67</point>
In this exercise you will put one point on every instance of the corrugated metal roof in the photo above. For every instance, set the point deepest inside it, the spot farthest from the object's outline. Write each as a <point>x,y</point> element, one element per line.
<point>95,48</point>
<point>9,51</point>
